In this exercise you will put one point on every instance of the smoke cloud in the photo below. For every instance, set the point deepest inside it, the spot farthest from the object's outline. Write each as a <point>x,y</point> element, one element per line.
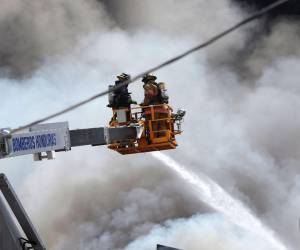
<point>199,232</point>
<point>36,30</point>
<point>241,129</point>
<point>106,210</point>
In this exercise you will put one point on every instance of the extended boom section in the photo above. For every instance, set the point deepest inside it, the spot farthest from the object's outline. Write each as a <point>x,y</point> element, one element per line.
<point>39,139</point>
<point>103,136</point>
<point>43,140</point>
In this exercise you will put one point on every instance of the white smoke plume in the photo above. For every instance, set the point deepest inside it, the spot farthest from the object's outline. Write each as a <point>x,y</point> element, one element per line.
<point>33,31</point>
<point>282,42</point>
<point>215,196</point>
<point>207,232</point>
<point>243,133</point>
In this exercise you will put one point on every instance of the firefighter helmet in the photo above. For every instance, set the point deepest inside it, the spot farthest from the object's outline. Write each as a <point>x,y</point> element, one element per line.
<point>149,77</point>
<point>124,77</point>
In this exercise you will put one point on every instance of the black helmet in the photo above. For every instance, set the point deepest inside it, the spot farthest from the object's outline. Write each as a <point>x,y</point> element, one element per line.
<point>148,77</point>
<point>124,77</point>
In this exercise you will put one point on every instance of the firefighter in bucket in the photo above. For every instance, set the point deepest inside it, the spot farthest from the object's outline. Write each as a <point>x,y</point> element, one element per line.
<point>156,95</point>
<point>120,100</point>
<point>153,120</point>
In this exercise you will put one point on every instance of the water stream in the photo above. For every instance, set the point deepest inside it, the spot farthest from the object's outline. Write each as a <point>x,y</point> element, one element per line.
<point>215,196</point>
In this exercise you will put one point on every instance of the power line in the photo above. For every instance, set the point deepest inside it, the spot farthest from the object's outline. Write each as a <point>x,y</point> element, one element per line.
<point>172,60</point>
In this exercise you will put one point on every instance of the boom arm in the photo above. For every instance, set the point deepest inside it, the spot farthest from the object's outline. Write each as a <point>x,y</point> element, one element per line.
<point>12,237</point>
<point>44,139</point>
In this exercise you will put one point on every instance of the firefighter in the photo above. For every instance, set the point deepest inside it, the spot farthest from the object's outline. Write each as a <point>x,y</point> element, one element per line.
<point>155,94</point>
<point>121,98</point>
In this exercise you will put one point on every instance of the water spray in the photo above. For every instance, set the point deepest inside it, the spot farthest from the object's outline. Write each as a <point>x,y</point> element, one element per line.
<point>215,196</point>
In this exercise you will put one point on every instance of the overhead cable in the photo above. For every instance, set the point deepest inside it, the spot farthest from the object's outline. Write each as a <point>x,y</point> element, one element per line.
<point>172,60</point>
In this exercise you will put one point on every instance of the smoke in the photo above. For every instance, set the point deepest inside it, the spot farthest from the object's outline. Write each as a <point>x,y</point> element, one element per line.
<point>280,43</point>
<point>212,194</point>
<point>199,232</point>
<point>241,129</point>
<point>197,21</point>
<point>109,209</point>
<point>36,30</point>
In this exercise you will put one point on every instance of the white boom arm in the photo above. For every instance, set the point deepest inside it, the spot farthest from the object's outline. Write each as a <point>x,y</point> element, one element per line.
<point>44,139</point>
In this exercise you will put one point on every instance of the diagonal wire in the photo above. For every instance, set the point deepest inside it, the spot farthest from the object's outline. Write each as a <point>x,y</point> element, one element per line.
<point>172,60</point>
